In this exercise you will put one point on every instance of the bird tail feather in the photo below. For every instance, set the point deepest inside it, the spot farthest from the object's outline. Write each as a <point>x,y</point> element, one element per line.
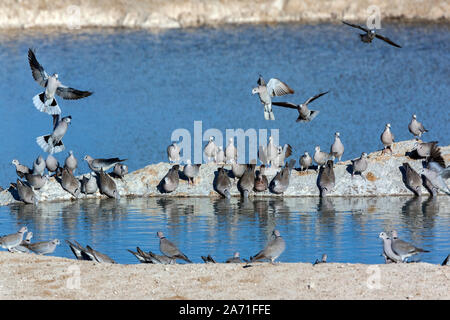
<point>40,104</point>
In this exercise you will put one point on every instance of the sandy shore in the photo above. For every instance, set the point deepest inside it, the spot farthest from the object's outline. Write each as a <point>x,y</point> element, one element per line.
<point>161,14</point>
<point>27,276</point>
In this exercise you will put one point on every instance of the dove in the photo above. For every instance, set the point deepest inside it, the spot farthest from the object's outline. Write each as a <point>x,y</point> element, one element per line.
<point>219,157</point>
<point>151,257</point>
<point>273,88</point>
<point>89,184</point>
<point>208,259</point>
<point>210,149</point>
<point>280,182</point>
<point>43,247</point>
<point>387,138</point>
<point>423,149</point>
<point>238,169</point>
<point>388,253</point>
<point>323,260</point>
<point>337,148</point>
<point>71,162</point>
<point>321,157</point>
<point>170,181</point>
<point>21,247</point>
<point>247,181</point>
<point>436,178</point>
<point>98,256</point>
<point>36,180</point>
<point>71,184</point>
<point>223,183</point>
<point>45,101</point>
<point>370,34</point>
<point>101,164</point>
<point>20,168</point>
<point>26,193</point>
<point>326,179</point>
<point>230,152</point>
<point>304,114</point>
<point>416,128</point>
<point>412,179</point>
<point>52,143</point>
<point>282,153</point>
<point>273,249</point>
<point>403,248</point>
<point>79,251</point>
<point>13,240</point>
<point>360,165</point>
<point>261,182</point>
<point>305,161</point>
<point>169,249</point>
<point>107,185</point>
<point>235,259</point>
<point>51,163</point>
<point>191,171</point>
<point>39,166</point>
<point>120,170</point>
<point>173,152</point>
<point>271,151</point>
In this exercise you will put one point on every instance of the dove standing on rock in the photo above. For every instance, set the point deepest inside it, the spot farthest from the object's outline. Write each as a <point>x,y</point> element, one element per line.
<point>210,150</point>
<point>219,158</point>
<point>261,182</point>
<point>412,179</point>
<point>247,182</point>
<point>69,183</point>
<point>280,182</point>
<point>273,88</point>
<point>273,249</point>
<point>238,169</point>
<point>107,185</point>
<point>101,164</point>
<point>173,152</point>
<point>45,101</point>
<point>89,185</point>
<point>360,165</point>
<point>191,171</point>
<point>36,180</point>
<point>120,170</point>
<point>52,143</point>
<point>223,183</point>
<point>51,163</point>
<point>20,168</point>
<point>26,193</point>
<point>305,161</point>
<point>282,154</point>
<point>387,138</point>
<point>326,179</point>
<point>403,248</point>
<point>321,157</point>
<point>12,240</point>
<point>43,247</point>
<point>304,114</point>
<point>416,128</point>
<point>170,181</point>
<point>169,249</point>
<point>231,152</point>
<point>337,148</point>
<point>71,162</point>
<point>39,166</point>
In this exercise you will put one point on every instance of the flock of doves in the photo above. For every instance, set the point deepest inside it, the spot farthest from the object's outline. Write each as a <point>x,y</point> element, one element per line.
<point>432,176</point>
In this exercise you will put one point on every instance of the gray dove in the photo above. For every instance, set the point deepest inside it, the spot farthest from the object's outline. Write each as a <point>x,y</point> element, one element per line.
<point>403,248</point>
<point>305,161</point>
<point>369,35</point>
<point>412,179</point>
<point>387,138</point>
<point>282,153</point>
<point>169,249</point>
<point>436,178</point>
<point>71,184</point>
<point>360,165</point>
<point>337,148</point>
<point>280,182</point>
<point>247,181</point>
<point>98,256</point>
<point>71,162</point>
<point>321,157</point>
<point>238,169</point>
<point>220,155</point>
<point>416,128</point>
<point>273,88</point>
<point>36,180</point>
<point>191,171</point>
<point>423,149</point>
<point>52,143</point>
<point>151,257</point>
<point>107,185</point>
<point>45,101</point>
<point>51,163</point>
<point>21,247</point>
<point>261,182</point>
<point>89,185</point>
<point>235,259</point>
<point>388,253</point>
<point>173,152</point>
<point>170,181</point>
<point>230,152</point>
<point>39,166</point>
<point>20,168</point>
<point>26,193</point>
<point>223,183</point>
<point>210,149</point>
<point>79,251</point>
<point>273,249</point>
<point>43,247</point>
<point>13,240</point>
<point>304,114</point>
<point>99,164</point>
<point>326,179</point>
<point>120,170</point>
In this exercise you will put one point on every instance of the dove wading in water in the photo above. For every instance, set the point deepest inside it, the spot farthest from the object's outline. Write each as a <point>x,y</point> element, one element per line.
<point>52,143</point>
<point>369,35</point>
<point>45,101</point>
<point>265,91</point>
<point>413,180</point>
<point>326,179</point>
<point>304,114</point>
<point>107,185</point>
<point>222,183</point>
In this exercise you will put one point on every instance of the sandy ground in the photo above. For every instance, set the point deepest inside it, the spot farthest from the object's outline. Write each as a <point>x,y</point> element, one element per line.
<point>28,276</point>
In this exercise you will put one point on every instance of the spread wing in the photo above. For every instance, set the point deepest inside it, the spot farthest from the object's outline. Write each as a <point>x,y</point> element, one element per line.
<point>276,87</point>
<point>386,39</point>
<point>71,94</point>
<point>355,26</point>
<point>261,81</point>
<point>315,97</point>
<point>285,104</point>
<point>37,70</point>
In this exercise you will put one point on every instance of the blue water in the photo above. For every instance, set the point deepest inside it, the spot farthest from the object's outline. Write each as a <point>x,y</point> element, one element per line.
<point>146,85</point>
<point>346,229</point>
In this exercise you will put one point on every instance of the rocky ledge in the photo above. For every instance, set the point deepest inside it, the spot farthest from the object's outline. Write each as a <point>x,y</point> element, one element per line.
<point>383,177</point>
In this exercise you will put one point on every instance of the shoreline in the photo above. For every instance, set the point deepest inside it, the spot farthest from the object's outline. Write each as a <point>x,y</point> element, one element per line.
<point>159,14</point>
<point>29,276</point>
<point>383,178</point>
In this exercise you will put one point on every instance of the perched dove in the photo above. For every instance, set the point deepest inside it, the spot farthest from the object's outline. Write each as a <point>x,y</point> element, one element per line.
<point>191,171</point>
<point>388,253</point>
<point>305,161</point>
<point>210,149</point>
<point>107,185</point>
<point>321,157</point>
<point>89,185</point>
<point>39,166</point>
<point>280,182</point>
<point>26,193</point>
<point>20,168</point>
<point>337,148</point>
<point>412,179</point>
<point>415,127</point>
<point>170,181</point>
<point>173,152</point>
<point>71,162</point>
<point>71,184</point>
<point>387,138</point>
<point>235,259</point>
<point>360,165</point>
<point>230,152</point>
